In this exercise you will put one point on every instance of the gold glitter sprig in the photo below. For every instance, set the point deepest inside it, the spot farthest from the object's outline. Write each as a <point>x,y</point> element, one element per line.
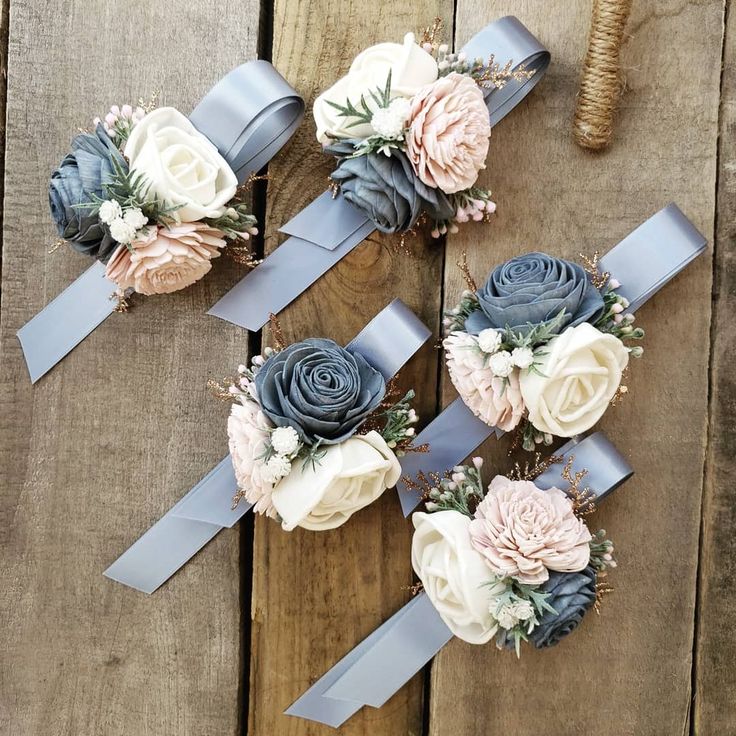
<point>622,389</point>
<point>599,278</point>
<point>432,34</point>
<point>583,499</point>
<point>242,254</point>
<point>423,483</point>
<point>221,389</point>
<point>277,334</point>
<point>531,471</point>
<point>494,75</point>
<point>601,590</point>
<point>236,499</point>
<point>151,103</point>
<point>122,303</point>
<point>333,187</point>
<point>58,244</point>
<point>462,264</point>
<point>415,589</point>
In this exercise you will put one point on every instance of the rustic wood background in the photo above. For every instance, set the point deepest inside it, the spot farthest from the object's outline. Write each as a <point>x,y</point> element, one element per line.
<point>116,433</point>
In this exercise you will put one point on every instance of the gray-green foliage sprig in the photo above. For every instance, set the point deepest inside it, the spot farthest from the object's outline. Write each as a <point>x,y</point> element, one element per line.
<point>131,189</point>
<point>461,490</point>
<point>615,321</point>
<point>364,114</point>
<point>397,419</point>
<point>236,222</point>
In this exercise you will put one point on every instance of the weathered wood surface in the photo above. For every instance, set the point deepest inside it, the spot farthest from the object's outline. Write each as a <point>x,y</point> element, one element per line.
<point>316,595</point>
<point>629,672</point>
<point>104,444</point>
<point>115,434</point>
<point>715,674</point>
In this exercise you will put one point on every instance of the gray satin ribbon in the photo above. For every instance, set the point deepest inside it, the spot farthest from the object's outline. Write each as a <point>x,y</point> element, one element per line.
<point>249,115</point>
<point>372,672</point>
<point>643,262</point>
<point>386,342</point>
<point>327,230</point>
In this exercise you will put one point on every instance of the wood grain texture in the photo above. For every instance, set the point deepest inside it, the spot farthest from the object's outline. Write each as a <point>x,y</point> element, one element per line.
<point>316,595</point>
<point>715,674</point>
<point>103,445</point>
<point>629,671</point>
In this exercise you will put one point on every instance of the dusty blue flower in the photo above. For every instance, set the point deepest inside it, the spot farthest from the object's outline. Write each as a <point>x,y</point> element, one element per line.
<point>385,188</point>
<point>571,594</point>
<point>532,289</point>
<point>320,389</point>
<point>82,174</point>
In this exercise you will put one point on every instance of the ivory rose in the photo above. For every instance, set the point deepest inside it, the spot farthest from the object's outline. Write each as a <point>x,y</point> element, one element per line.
<point>181,165</point>
<point>497,401</point>
<point>411,69</point>
<point>578,376</point>
<point>347,477</point>
<point>248,434</point>
<point>454,575</point>
<point>449,132</point>
<point>523,532</point>
<point>165,259</point>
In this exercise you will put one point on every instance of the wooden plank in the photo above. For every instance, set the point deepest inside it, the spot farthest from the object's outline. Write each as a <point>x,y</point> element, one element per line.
<point>316,595</point>
<point>629,671</point>
<point>99,449</point>
<point>715,678</point>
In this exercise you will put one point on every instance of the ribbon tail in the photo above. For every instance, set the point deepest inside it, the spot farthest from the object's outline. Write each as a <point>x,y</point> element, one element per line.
<point>181,532</point>
<point>451,437</point>
<point>321,235</point>
<point>378,667</point>
<point>63,323</point>
<point>653,254</point>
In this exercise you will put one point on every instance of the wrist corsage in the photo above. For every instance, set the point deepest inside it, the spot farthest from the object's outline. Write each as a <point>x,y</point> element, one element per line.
<point>315,433</point>
<point>151,197</point>
<point>510,561</point>
<point>542,346</point>
<point>410,129</point>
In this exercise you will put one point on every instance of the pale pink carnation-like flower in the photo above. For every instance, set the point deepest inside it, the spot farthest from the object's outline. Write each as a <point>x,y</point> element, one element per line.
<point>166,259</point>
<point>523,532</point>
<point>495,400</point>
<point>449,131</point>
<point>247,431</point>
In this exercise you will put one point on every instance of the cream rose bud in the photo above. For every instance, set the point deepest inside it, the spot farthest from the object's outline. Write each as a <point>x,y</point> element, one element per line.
<point>411,69</point>
<point>577,378</point>
<point>181,165</point>
<point>326,493</point>
<point>454,575</point>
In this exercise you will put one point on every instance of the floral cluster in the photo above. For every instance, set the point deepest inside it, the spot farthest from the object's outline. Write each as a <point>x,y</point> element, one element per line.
<point>315,434</point>
<point>541,347</point>
<point>410,130</point>
<point>149,196</point>
<point>510,561</point>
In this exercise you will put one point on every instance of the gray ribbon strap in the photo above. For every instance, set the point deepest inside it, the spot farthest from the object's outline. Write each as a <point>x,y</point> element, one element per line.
<point>249,115</point>
<point>335,226</point>
<point>297,263</point>
<point>372,672</point>
<point>67,320</point>
<point>643,262</point>
<point>387,342</point>
<point>653,254</point>
<point>182,532</point>
<point>451,437</point>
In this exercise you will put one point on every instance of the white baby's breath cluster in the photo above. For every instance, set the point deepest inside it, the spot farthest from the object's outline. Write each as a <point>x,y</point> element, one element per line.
<point>503,362</point>
<point>389,122</point>
<point>125,225</point>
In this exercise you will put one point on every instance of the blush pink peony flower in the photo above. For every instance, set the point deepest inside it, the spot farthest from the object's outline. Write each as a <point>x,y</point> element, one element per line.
<point>449,129</point>
<point>247,431</point>
<point>166,259</point>
<point>523,532</point>
<point>495,400</point>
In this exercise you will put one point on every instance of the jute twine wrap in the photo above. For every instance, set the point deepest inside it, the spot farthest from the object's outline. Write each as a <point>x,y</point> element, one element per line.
<point>600,84</point>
